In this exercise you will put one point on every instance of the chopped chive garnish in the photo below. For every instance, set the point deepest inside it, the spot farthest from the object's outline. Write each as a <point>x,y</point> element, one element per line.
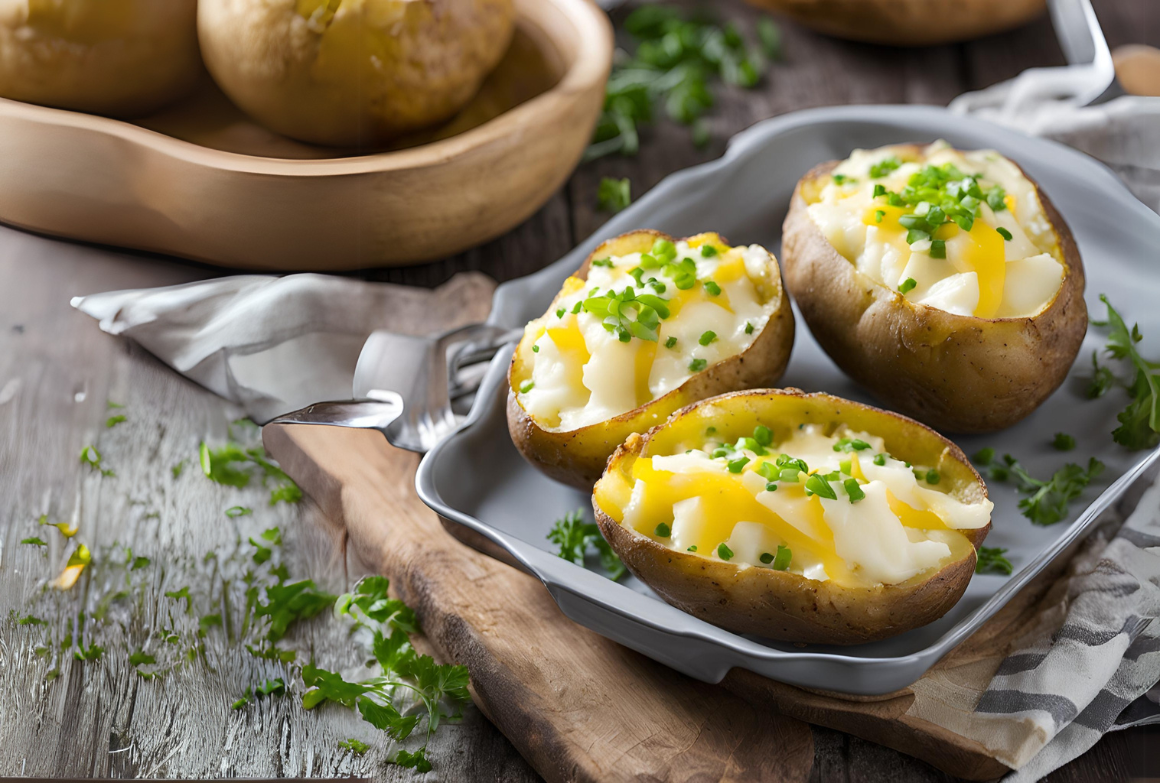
<point>576,307</point>
<point>907,285</point>
<point>768,470</point>
<point>784,556</point>
<point>710,430</point>
<point>878,215</point>
<point>789,475</point>
<point>770,486</point>
<point>693,548</point>
<point>663,250</point>
<point>845,466</point>
<point>938,248</point>
<point>853,490</point>
<point>816,485</point>
<point>723,551</point>
<point>1004,233</point>
<point>748,328</point>
<point>603,262</point>
<point>697,365</point>
<point>671,342</point>
<point>851,444</point>
<point>526,386</point>
<point>737,465</point>
<point>712,288</point>
<point>879,459</point>
<point>932,476</point>
<point>535,349</point>
<point>708,251</point>
<point>707,337</point>
<point>879,190</point>
<point>884,167</point>
<point>560,312</point>
<point>663,530</point>
<point>763,435</point>
<point>766,558</point>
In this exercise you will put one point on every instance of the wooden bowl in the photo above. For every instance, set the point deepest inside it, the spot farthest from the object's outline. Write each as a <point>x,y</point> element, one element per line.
<point>203,181</point>
<point>907,22</point>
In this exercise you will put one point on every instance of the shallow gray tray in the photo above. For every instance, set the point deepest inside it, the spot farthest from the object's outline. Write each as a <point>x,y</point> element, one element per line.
<point>477,478</point>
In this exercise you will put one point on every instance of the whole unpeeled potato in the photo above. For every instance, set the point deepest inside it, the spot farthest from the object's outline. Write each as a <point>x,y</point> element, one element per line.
<point>118,57</point>
<point>352,72</point>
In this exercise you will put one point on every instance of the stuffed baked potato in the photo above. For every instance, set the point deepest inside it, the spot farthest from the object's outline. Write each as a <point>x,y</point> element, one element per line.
<point>793,516</point>
<point>647,325</point>
<point>943,281</point>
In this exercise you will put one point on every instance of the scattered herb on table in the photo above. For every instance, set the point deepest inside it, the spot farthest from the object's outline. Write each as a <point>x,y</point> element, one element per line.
<point>575,538</point>
<point>357,747</point>
<point>235,465</point>
<point>676,61</point>
<point>613,195</point>
<point>991,558</point>
<point>34,541</point>
<point>1049,499</point>
<point>1063,442</point>
<point>1140,421</point>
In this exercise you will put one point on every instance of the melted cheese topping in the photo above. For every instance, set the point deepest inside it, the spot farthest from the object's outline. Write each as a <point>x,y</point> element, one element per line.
<point>983,274</point>
<point>582,373</point>
<point>904,524</point>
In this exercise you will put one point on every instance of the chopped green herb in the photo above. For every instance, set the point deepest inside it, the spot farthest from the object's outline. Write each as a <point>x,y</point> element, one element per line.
<point>34,541</point>
<point>139,563</point>
<point>851,444</point>
<point>712,288</point>
<point>938,248</point>
<point>770,37</point>
<point>113,421</point>
<point>30,620</point>
<point>846,466</point>
<point>879,459</point>
<point>879,213</point>
<point>783,559</point>
<point>1004,233</point>
<point>575,538</point>
<point>932,476</point>
<point>238,511</point>
<point>176,469</point>
<point>357,747</point>
<point>1063,442</point>
<point>535,348</point>
<point>91,457</point>
<point>737,465</point>
<point>723,551</point>
<point>1140,421</point>
<point>113,405</point>
<point>697,365</point>
<point>693,548</point>
<point>763,435</point>
<point>671,342</point>
<point>990,558</point>
<point>707,337</point>
<point>628,314</point>
<point>663,530</point>
<point>141,658</point>
<point>708,251</point>
<point>526,386</point>
<point>816,485</point>
<point>907,285</point>
<point>748,328</point>
<point>884,167</point>
<point>613,195</point>
<point>242,702</point>
<point>1048,500</point>
<point>560,312</point>
<point>606,262</point>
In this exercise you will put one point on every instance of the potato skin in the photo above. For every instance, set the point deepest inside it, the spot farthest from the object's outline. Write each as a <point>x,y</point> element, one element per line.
<point>779,604</point>
<point>957,373</point>
<point>577,457</point>
<point>365,75</point>
<point>122,58</point>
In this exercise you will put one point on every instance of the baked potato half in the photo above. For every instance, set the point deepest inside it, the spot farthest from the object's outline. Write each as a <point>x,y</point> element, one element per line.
<point>799,517</point>
<point>945,282</point>
<point>647,325</point>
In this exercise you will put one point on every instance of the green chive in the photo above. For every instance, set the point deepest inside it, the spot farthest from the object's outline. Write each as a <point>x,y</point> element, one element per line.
<point>784,556</point>
<point>663,530</point>
<point>603,262</point>
<point>932,476</point>
<point>938,248</point>
<point>663,250</point>
<point>697,365</point>
<point>853,490</point>
<point>767,470</point>
<point>708,251</point>
<point>737,465</point>
<point>907,285</point>
<point>878,215</point>
<point>1004,233</point>
<point>766,558</point>
<point>576,307</point>
<point>669,343</point>
<point>526,386</point>
<point>724,552</point>
<point>707,337</point>
<point>816,485</point>
<point>763,435</point>
<point>845,466</point>
<point>693,548</point>
<point>879,459</point>
<point>712,288</point>
<point>770,486</point>
<point>710,430</point>
<point>789,475</point>
<point>748,328</point>
<point>879,190</point>
<point>535,349</point>
<point>560,312</point>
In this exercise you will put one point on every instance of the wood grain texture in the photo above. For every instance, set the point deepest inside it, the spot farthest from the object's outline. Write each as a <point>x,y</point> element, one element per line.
<point>98,718</point>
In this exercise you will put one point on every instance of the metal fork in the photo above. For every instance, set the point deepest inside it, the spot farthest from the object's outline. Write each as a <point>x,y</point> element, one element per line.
<point>404,385</point>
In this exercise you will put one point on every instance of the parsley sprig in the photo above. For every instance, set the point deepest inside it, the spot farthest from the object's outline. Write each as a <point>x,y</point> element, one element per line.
<point>1049,499</point>
<point>991,558</point>
<point>1140,421</point>
<point>235,464</point>
<point>575,538</point>
<point>675,62</point>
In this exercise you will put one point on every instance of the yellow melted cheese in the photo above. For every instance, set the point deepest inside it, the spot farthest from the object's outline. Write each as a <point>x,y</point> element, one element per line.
<point>983,274</point>
<point>582,374</point>
<point>902,527</point>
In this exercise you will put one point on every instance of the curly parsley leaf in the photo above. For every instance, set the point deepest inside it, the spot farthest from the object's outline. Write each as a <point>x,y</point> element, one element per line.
<point>575,537</point>
<point>1048,500</point>
<point>288,603</point>
<point>1140,421</point>
<point>990,558</point>
<point>357,747</point>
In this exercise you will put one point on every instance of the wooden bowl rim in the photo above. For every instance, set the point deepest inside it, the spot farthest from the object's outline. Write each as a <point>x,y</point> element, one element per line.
<point>589,36</point>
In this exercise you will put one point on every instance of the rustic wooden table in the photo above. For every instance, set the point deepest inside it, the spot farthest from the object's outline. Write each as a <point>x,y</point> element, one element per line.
<point>65,717</point>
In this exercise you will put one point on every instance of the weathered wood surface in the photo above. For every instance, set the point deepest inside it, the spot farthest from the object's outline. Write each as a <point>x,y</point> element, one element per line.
<point>57,371</point>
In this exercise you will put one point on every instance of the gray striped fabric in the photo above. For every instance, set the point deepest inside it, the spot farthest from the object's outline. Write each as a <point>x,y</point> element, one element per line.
<point>1098,672</point>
